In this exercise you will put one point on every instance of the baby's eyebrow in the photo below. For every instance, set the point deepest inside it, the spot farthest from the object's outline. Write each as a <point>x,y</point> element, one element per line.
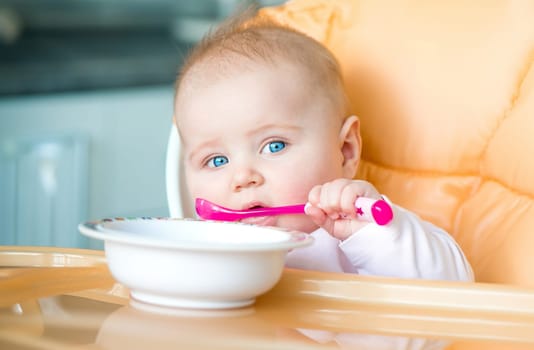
<point>199,148</point>
<point>266,127</point>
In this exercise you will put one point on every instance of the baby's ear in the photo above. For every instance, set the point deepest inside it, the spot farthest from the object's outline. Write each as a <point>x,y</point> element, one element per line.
<point>350,142</point>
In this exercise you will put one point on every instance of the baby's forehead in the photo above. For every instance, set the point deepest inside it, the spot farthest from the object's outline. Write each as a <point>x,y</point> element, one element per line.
<point>214,68</point>
<point>251,80</point>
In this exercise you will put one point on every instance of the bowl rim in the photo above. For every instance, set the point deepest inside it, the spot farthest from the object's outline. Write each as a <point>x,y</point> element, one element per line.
<point>96,230</point>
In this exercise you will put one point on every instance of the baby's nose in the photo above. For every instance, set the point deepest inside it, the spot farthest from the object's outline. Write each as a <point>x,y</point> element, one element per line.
<point>245,178</point>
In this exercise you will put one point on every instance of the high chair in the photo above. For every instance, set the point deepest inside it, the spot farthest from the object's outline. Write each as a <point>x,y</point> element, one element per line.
<point>180,205</point>
<point>445,95</point>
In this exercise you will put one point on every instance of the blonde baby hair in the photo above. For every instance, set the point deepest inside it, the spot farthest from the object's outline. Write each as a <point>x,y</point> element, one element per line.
<point>247,37</point>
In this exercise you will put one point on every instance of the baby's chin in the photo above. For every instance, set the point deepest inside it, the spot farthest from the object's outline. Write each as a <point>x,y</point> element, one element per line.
<point>296,223</point>
<point>299,223</point>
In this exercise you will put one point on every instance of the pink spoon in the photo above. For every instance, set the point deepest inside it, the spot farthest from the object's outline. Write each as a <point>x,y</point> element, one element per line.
<point>368,209</point>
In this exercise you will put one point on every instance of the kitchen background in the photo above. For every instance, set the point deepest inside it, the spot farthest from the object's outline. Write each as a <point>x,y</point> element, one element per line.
<point>86,91</point>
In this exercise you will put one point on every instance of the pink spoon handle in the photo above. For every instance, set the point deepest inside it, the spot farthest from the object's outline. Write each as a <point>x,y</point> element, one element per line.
<point>268,211</point>
<point>368,209</point>
<point>371,210</point>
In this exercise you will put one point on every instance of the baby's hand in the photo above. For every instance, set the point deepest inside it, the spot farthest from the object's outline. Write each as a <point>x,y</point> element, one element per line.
<point>331,205</point>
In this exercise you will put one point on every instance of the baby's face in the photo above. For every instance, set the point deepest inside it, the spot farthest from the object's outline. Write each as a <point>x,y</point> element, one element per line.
<point>259,137</point>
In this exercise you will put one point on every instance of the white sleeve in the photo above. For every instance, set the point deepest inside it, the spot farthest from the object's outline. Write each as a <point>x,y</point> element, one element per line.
<point>408,247</point>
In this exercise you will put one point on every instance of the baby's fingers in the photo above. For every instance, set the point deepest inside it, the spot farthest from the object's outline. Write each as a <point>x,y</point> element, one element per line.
<point>317,215</point>
<point>348,197</point>
<point>336,198</point>
<point>314,197</point>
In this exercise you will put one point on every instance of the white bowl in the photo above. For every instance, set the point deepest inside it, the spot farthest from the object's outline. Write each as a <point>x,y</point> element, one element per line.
<point>192,263</point>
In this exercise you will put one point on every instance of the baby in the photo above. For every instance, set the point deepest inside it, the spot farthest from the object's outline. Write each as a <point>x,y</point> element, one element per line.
<point>264,121</point>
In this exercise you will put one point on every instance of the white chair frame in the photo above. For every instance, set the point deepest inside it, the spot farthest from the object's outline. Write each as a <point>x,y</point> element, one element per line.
<point>179,203</point>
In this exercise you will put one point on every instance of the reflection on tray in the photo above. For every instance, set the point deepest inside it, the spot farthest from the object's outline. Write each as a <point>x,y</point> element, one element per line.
<point>141,326</point>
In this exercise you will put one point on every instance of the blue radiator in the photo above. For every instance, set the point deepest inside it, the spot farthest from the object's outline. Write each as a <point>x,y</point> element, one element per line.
<point>44,191</point>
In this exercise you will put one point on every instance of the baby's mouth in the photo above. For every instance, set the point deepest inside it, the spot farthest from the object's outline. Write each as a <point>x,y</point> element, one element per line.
<point>256,207</point>
<point>253,205</point>
<point>254,219</point>
<point>263,220</point>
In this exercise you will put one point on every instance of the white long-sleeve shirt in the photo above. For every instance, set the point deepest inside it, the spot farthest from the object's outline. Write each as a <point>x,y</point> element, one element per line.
<point>407,247</point>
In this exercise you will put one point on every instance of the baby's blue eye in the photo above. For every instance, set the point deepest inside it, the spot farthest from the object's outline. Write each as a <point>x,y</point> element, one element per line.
<point>273,147</point>
<point>217,161</point>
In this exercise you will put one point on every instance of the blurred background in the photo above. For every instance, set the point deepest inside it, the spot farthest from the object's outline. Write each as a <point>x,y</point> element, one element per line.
<point>86,91</point>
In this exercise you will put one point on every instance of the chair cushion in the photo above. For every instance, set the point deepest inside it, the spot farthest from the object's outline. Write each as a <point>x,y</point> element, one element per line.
<point>445,95</point>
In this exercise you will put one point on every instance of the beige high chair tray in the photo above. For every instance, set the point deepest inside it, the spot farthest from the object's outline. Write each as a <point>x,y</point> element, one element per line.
<point>63,298</point>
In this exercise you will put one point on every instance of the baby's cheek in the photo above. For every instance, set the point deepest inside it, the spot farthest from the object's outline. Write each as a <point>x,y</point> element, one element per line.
<point>302,186</point>
<point>296,194</point>
<point>201,189</point>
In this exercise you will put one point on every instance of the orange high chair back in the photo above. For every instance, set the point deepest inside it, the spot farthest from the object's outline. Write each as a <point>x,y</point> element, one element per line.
<point>445,94</point>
